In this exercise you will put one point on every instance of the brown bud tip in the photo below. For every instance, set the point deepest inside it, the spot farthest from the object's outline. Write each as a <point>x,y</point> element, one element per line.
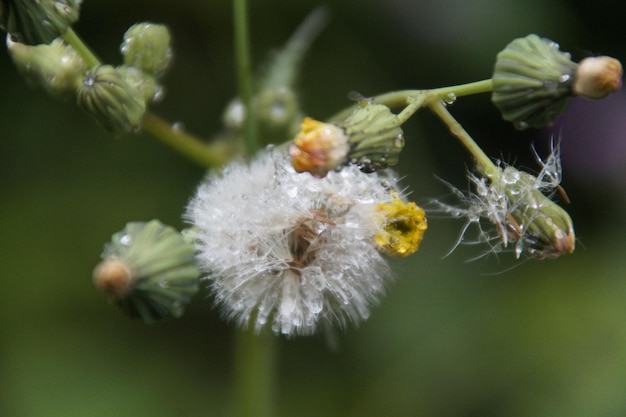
<point>597,77</point>
<point>113,277</point>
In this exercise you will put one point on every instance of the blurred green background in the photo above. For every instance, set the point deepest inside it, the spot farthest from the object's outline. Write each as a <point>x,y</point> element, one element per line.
<point>450,339</point>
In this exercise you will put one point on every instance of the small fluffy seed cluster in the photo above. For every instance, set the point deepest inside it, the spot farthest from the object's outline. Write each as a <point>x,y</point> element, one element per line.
<point>289,249</point>
<point>505,207</point>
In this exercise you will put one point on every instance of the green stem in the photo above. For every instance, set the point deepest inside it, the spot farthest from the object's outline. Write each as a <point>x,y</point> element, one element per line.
<point>404,98</point>
<point>487,167</point>
<point>255,374</point>
<point>401,98</point>
<point>81,49</point>
<point>207,155</point>
<point>244,72</point>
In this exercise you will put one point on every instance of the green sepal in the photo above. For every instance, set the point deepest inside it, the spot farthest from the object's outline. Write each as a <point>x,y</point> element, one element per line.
<point>164,275</point>
<point>532,81</point>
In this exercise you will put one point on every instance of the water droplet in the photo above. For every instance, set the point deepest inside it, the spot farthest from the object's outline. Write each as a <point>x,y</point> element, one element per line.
<point>126,240</point>
<point>515,190</point>
<point>164,284</point>
<point>62,8</point>
<point>449,99</point>
<point>564,78</point>
<point>521,125</point>
<point>398,141</point>
<point>90,81</point>
<point>178,126</point>
<point>278,112</point>
<point>510,176</point>
<point>159,93</point>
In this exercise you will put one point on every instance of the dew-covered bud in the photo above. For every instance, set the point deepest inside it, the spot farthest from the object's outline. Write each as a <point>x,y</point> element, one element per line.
<point>532,81</point>
<point>116,105</point>
<point>374,135</point>
<point>35,22</point>
<point>55,67</point>
<point>513,209</point>
<point>402,227</point>
<point>318,148</point>
<point>148,270</point>
<point>145,83</point>
<point>370,138</point>
<point>147,46</point>
<point>597,77</point>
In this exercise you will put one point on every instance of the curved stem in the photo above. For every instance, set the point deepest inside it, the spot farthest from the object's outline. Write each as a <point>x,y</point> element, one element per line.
<point>207,155</point>
<point>487,167</point>
<point>244,73</point>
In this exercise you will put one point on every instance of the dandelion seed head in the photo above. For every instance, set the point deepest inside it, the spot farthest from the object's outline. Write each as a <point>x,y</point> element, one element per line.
<point>290,250</point>
<point>512,210</point>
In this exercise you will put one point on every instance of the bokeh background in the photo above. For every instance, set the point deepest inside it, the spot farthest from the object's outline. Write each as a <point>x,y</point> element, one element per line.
<point>487,338</point>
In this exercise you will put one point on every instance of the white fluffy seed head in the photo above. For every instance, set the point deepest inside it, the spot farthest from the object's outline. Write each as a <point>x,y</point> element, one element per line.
<point>289,249</point>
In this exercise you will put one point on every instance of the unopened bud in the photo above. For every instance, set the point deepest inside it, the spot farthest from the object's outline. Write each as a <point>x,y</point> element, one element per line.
<point>143,82</point>
<point>147,46</point>
<point>597,77</point>
<point>148,270</point>
<point>318,148</point>
<point>532,81</point>
<point>116,105</point>
<point>55,67</point>
<point>375,136</point>
<point>38,22</point>
<point>113,277</point>
<point>370,137</point>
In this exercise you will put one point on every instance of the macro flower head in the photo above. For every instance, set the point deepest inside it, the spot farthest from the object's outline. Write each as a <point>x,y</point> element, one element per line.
<point>297,251</point>
<point>515,208</point>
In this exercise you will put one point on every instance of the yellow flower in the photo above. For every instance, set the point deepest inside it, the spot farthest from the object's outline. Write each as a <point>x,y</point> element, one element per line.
<point>402,227</point>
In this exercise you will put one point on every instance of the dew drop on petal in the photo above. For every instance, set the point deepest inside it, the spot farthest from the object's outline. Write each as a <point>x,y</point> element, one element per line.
<point>126,240</point>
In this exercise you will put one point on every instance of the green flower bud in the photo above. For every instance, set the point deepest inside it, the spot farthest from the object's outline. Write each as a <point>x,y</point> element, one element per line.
<point>116,105</point>
<point>375,136</point>
<point>55,67</point>
<point>148,270</point>
<point>146,83</point>
<point>35,22</point>
<point>147,46</point>
<point>532,81</point>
